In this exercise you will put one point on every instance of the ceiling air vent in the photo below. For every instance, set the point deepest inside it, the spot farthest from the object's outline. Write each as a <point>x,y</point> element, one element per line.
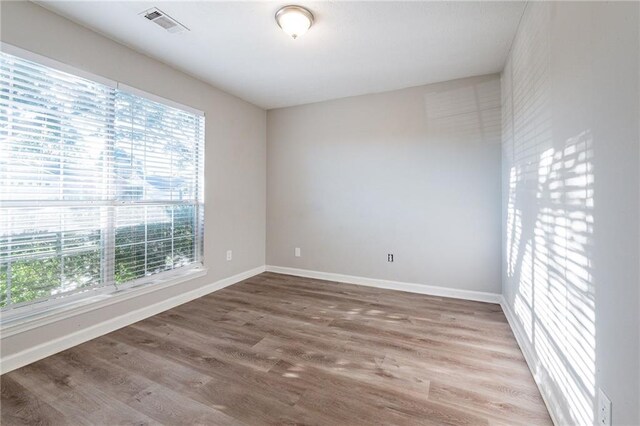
<point>160,18</point>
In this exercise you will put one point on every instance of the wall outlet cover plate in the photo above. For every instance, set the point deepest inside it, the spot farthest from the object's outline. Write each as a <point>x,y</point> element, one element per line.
<point>604,409</point>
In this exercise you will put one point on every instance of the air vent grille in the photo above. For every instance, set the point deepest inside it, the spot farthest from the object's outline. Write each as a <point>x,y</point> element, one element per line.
<point>153,15</point>
<point>163,20</point>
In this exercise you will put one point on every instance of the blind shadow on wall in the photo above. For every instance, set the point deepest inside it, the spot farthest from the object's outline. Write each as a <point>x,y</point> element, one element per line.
<point>548,258</point>
<point>549,230</point>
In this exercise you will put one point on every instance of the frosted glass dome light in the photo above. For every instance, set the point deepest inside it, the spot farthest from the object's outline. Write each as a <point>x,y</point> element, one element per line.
<point>294,20</point>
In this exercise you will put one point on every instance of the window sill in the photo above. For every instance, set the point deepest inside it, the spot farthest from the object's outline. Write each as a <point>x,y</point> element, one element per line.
<point>18,322</point>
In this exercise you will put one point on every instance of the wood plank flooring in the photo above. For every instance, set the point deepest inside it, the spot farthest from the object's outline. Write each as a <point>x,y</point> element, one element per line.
<point>277,349</point>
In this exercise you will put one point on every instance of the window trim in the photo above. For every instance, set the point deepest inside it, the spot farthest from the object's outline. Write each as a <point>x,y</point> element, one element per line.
<point>52,63</point>
<point>17,319</point>
<point>114,84</point>
<point>53,310</point>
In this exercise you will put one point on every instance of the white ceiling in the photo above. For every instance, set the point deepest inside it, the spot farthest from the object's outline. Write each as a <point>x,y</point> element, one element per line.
<point>353,48</point>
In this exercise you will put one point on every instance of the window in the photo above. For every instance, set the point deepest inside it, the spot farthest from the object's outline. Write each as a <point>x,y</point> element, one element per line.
<point>100,187</point>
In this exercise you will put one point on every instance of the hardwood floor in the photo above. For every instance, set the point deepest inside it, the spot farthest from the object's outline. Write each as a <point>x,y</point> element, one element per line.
<point>277,349</point>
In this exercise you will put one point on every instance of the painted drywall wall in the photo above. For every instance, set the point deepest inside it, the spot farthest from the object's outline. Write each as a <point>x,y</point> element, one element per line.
<point>235,164</point>
<point>413,172</point>
<point>570,97</point>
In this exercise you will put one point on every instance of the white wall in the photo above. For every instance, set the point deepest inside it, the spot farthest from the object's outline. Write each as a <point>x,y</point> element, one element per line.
<point>235,188</point>
<point>413,172</point>
<point>571,207</point>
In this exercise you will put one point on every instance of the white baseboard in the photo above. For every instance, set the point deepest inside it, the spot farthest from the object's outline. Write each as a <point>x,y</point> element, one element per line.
<point>391,285</point>
<point>43,350</point>
<point>531,359</point>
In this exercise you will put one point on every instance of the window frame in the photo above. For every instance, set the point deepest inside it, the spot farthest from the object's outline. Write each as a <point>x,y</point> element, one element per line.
<point>25,315</point>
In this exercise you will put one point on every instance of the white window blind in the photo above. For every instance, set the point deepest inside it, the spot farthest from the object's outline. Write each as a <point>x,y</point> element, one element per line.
<point>98,187</point>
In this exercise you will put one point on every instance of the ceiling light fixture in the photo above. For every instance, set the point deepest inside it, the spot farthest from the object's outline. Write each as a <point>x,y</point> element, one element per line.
<point>294,20</point>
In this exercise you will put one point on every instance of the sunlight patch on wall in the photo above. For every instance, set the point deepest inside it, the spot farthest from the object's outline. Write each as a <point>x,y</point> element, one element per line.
<point>548,229</point>
<point>551,271</point>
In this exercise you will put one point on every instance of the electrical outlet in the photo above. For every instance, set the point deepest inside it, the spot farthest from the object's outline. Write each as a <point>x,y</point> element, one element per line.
<point>604,409</point>
<point>297,252</point>
<point>229,254</point>
<point>390,257</point>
